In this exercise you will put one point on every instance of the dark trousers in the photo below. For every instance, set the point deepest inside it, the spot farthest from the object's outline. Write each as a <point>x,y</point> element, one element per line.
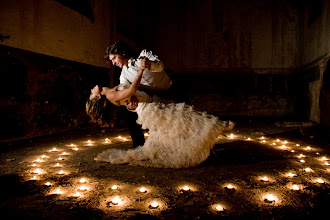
<point>135,130</point>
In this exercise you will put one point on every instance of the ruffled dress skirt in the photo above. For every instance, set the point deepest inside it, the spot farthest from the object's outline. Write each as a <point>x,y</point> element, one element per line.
<point>179,137</point>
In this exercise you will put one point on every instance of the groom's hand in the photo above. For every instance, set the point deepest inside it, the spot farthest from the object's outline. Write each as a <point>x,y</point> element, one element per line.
<point>133,103</point>
<point>145,63</point>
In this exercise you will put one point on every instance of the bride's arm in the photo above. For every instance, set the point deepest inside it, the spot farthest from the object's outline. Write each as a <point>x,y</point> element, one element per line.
<point>115,96</point>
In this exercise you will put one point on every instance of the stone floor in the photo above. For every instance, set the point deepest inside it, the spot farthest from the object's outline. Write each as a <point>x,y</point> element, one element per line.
<point>257,159</point>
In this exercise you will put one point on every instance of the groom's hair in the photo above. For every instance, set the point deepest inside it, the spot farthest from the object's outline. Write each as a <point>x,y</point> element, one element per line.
<point>117,48</point>
<point>99,110</point>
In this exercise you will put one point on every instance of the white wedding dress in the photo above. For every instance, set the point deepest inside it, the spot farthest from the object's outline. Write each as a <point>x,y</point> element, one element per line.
<point>179,136</point>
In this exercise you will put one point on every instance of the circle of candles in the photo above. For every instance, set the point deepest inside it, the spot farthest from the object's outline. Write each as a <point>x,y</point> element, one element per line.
<point>219,208</point>
<point>269,198</point>
<point>114,187</point>
<point>154,205</point>
<point>143,190</point>
<point>295,187</point>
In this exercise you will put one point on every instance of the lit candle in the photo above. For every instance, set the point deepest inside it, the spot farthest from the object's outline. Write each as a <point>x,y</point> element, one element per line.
<point>265,179</point>
<point>89,144</point>
<point>114,187</point>
<point>292,151</point>
<point>295,187</point>
<point>54,149</point>
<point>143,190</point>
<point>34,178</point>
<point>327,164</point>
<point>274,143</point>
<point>324,158</point>
<point>284,147</point>
<point>302,161</point>
<point>277,140</point>
<point>185,188</point>
<point>308,169</point>
<point>248,139</point>
<point>146,134</point>
<point>308,148</point>
<point>263,141</point>
<point>231,136</point>
<point>34,165</point>
<point>107,139</point>
<point>77,194</point>
<point>89,141</point>
<point>48,184</point>
<point>57,165</point>
<point>72,145</point>
<point>285,142</point>
<point>219,208</point>
<point>43,156</point>
<point>83,188</point>
<point>154,205</point>
<point>297,145</point>
<point>291,175</point>
<point>115,200</point>
<point>229,186</point>
<point>262,137</point>
<point>83,180</point>
<point>36,171</point>
<point>61,172</point>
<point>301,155</point>
<point>124,139</point>
<point>320,181</point>
<point>76,149</point>
<point>119,137</point>
<point>60,158</point>
<point>64,153</point>
<point>38,160</point>
<point>58,191</point>
<point>270,198</point>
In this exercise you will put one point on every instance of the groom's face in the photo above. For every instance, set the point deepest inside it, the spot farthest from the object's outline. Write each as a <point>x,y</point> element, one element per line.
<point>118,60</point>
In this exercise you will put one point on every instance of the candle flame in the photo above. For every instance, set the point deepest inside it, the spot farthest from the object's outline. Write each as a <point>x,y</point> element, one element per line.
<point>115,200</point>
<point>320,180</point>
<point>61,172</point>
<point>295,187</point>
<point>270,198</point>
<point>219,208</point>
<point>77,194</point>
<point>47,184</point>
<point>83,180</point>
<point>308,169</point>
<point>185,188</point>
<point>291,174</point>
<point>230,186</point>
<point>114,187</point>
<point>265,179</point>
<point>142,190</point>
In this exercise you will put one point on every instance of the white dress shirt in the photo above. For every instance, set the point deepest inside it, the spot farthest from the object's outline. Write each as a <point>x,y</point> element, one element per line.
<point>154,79</point>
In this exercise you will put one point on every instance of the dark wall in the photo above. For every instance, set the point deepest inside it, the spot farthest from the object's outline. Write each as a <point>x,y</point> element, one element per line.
<point>41,95</point>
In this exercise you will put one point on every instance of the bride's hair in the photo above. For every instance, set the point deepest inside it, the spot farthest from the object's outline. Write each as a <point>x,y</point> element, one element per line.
<point>99,110</point>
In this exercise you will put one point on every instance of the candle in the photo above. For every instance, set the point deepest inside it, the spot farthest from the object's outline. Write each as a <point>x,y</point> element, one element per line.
<point>72,145</point>
<point>262,137</point>
<point>64,153</point>
<point>285,142</point>
<point>146,134</point>
<point>291,175</point>
<point>274,143</point>
<point>229,186</point>
<point>308,148</point>
<point>301,155</point>
<point>38,160</point>
<point>83,180</point>
<point>308,169</point>
<point>36,171</point>
<point>57,165</point>
<point>77,194</point>
<point>48,184</point>
<point>124,139</point>
<point>34,178</point>
<point>248,139</point>
<point>297,145</point>
<point>219,208</point>
<point>54,149</point>
<point>89,141</point>
<point>320,181</point>
<point>295,187</point>
<point>327,164</point>
<point>58,191</point>
<point>107,139</point>
<point>115,200</point>
<point>34,165</point>
<point>143,190</point>
<point>43,156</point>
<point>83,188</point>
<point>277,140</point>
<point>270,198</point>
<point>154,205</point>
<point>292,151</point>
<point>61,172</point>
<point>231,136</point>
<point>185,188</point>
<point>114,187</point>
<point>302,161</point>
<point>60,158</point>
<point>284,147</point>
<point>265,179</point>
<point>119,137</point>
<point>76,149</point>
<point>263,141</point>
<point>324,158</point>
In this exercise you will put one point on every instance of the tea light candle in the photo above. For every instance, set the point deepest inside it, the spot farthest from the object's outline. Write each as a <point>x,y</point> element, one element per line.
<point>34,165</point>
<point>219,208</point>
<point>72,145</point>
<point>291,175</point>
<point>83,188</point>
<point>278,140</point>
<point>38,160</point>
<point>270,198</point>
<point>34,178</point>
<point>265,179</point>
<point>124,139</point>
<point>114,187</point>
<point>36,171</point>
<point>61,172</point>
<point>77,194</point>
<point>43,156</point>
<point>285,142</point>
<point>146,134</point>
<point>60,158</point>
<point>297,145</point>
<point>58,191</point>
<point>320,181</point>
<point>83,180</point>
<point>324,158</point>
<point>308,169</point>
<point>75,149</point>
<point>308,148</point>
<point>48,184</point>
<point>154,205</point>
<point>302,161</point>
<point>115,200</point>
<point>57,165</point>
<point>292,151</point>
<point>54,149</point>
<point>143,190</point>
<point>229,186</point>
<point>327,164</point>
<point>295,187</point>
<point>64,153</point>
<point>249,139</point>
<point>185,188</point>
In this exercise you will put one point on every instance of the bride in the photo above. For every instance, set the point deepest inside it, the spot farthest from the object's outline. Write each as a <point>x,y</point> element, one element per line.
<point>179,136</point>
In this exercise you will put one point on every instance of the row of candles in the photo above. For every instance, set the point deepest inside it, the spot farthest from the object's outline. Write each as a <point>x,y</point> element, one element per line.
<point>116,200</point>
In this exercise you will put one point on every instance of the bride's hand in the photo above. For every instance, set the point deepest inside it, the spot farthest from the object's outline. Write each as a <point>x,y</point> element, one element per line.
<point>145,63</point>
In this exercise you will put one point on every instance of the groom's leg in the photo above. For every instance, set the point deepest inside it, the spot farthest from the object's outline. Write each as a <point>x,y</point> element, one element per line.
<point>134,128</point>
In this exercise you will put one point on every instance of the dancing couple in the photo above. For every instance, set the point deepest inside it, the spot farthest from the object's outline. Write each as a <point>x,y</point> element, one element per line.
<point>179,136</point>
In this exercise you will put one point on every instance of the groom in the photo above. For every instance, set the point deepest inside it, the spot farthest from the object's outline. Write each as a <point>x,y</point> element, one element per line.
<point>154,81</point>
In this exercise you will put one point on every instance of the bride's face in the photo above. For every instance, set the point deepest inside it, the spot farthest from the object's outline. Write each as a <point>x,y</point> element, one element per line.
<point>95,92</point>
